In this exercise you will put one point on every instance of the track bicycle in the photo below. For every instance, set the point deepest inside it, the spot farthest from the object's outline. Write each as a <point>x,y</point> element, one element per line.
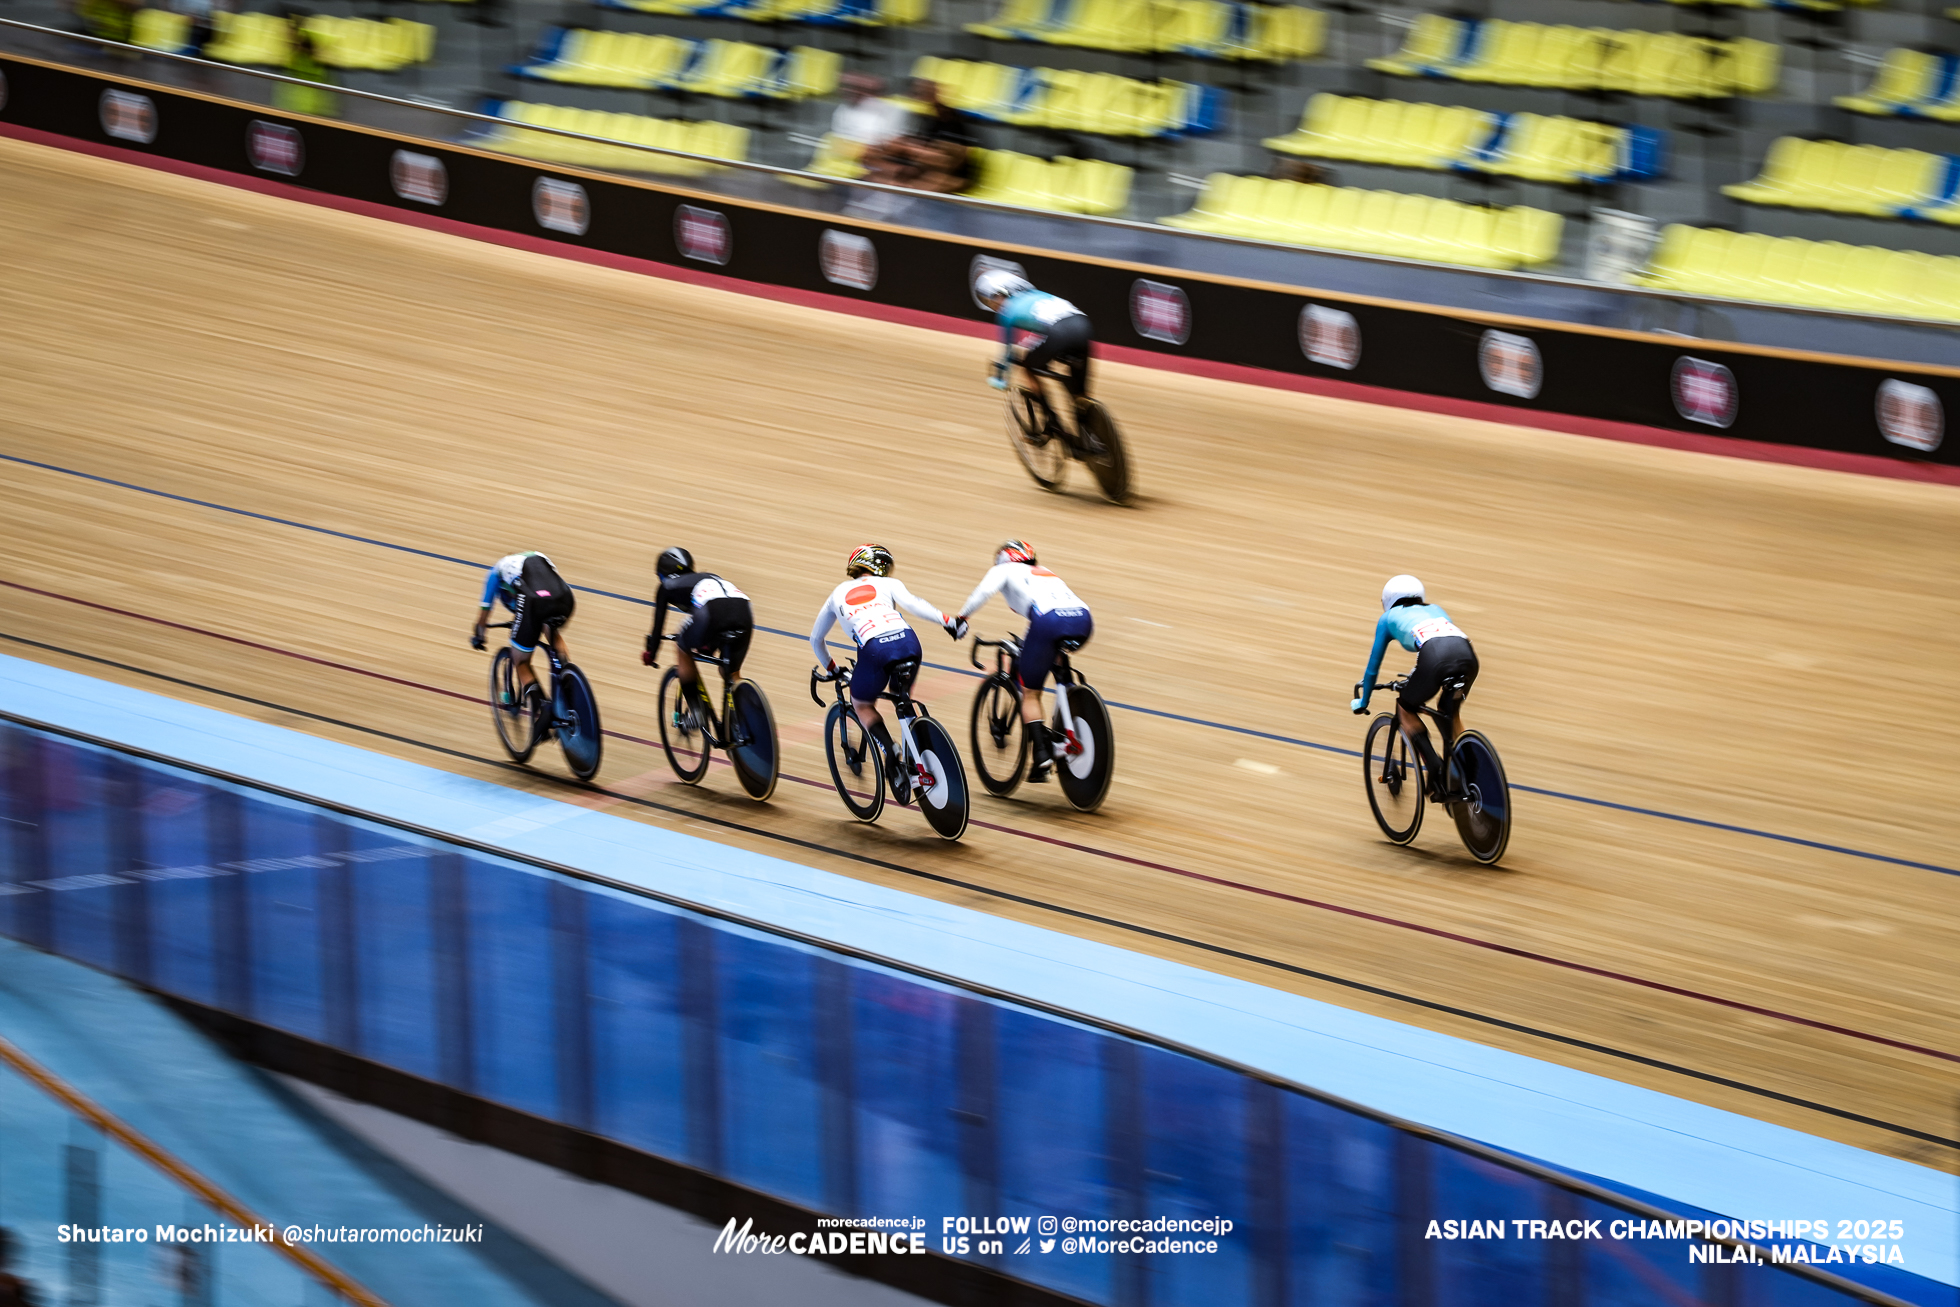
<point>571,713</point>
<point>1475,792</point>
<point>1085,749</point>
<point>745,729</point>
<point>931,770</point>
<point>1045,443</point>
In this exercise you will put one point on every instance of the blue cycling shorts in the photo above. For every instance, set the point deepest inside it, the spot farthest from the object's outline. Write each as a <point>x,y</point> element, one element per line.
<point>872,675</point>
<point>1045,631</point>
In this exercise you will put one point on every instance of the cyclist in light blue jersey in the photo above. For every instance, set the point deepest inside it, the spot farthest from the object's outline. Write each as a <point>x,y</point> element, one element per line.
<point>1443,654</point>
<point>1064,330</point>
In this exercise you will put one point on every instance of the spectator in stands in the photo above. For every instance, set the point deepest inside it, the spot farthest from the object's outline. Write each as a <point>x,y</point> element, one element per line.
<point>935,155</point>
<point>109,20</point>
<point>14,1291</point>
<point>864,118</point>
<point>1289,169</point>
<point>303,62</point>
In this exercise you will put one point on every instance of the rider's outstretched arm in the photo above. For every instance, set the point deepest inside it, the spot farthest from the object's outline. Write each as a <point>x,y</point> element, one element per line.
<point>990,585</point>
<point>1383,632</point>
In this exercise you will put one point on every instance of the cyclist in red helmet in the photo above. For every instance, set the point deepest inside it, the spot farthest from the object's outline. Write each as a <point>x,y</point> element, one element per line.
<point>1054,614</point>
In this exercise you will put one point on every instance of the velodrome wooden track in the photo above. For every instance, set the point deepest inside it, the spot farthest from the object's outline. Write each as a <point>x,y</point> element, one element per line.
<point>1743,643</point>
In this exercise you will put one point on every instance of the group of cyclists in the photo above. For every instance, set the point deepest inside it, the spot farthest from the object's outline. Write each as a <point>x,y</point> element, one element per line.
<point>871,603</point>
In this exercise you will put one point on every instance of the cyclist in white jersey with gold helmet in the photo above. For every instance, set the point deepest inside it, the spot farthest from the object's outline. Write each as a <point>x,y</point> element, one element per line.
<point>867,605</point>
<point>1054,614</point>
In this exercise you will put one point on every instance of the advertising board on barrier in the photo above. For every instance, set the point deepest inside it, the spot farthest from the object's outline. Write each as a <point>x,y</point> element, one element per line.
<point>1910,415</point>
<point>848,259</point>
<point>1705,392</point>
<point>418,178</point>
<point>1160,311</point>
<point>1510,364</point>
<point>559,205</point>
<point>275,147</point>
<point>3,90</point>
<point>703,235</point>
<point>1330,337</point>
<point>128,116</point>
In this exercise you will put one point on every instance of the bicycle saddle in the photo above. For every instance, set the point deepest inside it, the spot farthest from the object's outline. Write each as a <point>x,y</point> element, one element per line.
<point>1071,644</point>
<point>902,674</point>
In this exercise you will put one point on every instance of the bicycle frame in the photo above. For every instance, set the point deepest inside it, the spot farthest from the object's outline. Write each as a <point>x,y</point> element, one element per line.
<point>1010,654</point>
<point>715,720</point>
<point>902,707</point>
<point>1447,713</point>
<point>1071,431</point>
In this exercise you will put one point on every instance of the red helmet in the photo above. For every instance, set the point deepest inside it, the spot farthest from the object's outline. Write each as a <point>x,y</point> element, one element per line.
<point>1014,551</point>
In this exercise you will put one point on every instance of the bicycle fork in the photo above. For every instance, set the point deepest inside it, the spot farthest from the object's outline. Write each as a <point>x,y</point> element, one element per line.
<point>908,750</point>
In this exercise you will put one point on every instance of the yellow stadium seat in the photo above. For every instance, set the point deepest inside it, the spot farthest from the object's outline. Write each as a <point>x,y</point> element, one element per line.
<point>1431,43</point>
<point>1905,77</point>
<point>1015,17</point>
<point>161,29</point>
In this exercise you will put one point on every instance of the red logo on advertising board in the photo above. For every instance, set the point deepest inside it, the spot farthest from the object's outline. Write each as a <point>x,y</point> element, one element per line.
<point>1160,311</point>
<point>1330,337</point>
<point>128,116</point>
<point>703,235</point>
<point>1510,364</point>
<point>419,178</point>
<point>1705,392</point>
<point>848,259</point>
<point>275,147</point>
<point>1910,415</point>
<point>559,205</point>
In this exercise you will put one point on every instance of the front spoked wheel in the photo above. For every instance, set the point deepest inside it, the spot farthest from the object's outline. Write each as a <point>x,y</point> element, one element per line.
<point>576,723</point>
<point>1393,773</point>
<point>751,729</point>
<point>1044,456</point>
<point>945,802</point>
<point>681,737</point>
<point>507,709</point>
<point>857,764</point>
<point>1101,447</point>
<point>1088,758</point>
<point>1000,745</point>
<point>1483,815</point>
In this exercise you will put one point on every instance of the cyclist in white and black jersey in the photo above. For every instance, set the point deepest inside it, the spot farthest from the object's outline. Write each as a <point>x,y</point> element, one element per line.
<point>868,606</point>
<point>1054,614</point>
<point>719,622</point>
<point>540,604</point>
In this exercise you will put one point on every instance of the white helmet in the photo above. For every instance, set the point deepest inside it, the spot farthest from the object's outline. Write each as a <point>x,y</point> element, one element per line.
<point>999,281</point>
<point>1400,588</point>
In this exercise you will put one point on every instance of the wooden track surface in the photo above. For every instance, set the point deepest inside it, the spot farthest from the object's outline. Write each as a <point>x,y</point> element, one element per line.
<point>1743,643</point>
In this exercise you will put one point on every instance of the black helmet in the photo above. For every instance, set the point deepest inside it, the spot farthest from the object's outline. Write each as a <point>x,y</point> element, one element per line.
<point>875,559</point>
<point>674,561</point>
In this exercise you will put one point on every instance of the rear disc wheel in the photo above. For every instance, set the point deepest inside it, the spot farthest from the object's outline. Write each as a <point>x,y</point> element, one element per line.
<point>945,803</point>
<point>1088,759</point>
<point>752,740</point>
<point>1103,451</point>
<point>577,723</point>
<point>1483,817</point>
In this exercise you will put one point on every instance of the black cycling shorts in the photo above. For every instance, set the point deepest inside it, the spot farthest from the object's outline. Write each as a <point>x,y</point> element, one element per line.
<point>721,629</point>
<point>543,602</point>
<point>1066,342</point>
<point>1446,658</point>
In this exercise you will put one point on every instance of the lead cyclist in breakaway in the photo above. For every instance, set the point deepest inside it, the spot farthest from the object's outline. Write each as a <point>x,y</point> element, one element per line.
<point>719,621</point>
<point>1054,614</point>
<point>540,604</point>
<point>1442,651</point>
<point>1064,330</point>
<point>868,605</point>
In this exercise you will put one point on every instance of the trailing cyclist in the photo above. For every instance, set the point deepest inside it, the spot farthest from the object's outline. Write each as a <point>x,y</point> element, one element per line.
<point>1064,331</point>
<point>1442,651</point>
<point>719,622</point>
<point>539,602</point>
<point>868,605</point>
<point>1054,614</point>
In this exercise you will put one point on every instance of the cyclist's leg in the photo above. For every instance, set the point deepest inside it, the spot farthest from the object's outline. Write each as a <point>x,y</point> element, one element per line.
<point>526,628</point>
<point>1438,660</point>
<point>1037,660</point>
<point>687,641</point>
<point>1068,342</point>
